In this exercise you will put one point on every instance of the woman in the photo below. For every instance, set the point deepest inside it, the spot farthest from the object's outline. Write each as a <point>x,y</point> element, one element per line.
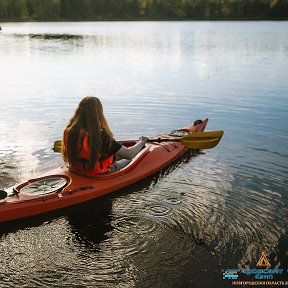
<point>88,144</point>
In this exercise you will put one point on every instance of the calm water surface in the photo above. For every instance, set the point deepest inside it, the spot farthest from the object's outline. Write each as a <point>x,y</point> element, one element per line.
<point>217,210</point>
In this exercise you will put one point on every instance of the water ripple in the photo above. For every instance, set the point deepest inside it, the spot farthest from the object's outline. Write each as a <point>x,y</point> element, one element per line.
<point>134,224</point>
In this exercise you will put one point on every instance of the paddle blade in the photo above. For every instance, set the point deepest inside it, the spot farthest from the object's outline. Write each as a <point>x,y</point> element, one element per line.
<point>202,140</point>
<point>57,146</point>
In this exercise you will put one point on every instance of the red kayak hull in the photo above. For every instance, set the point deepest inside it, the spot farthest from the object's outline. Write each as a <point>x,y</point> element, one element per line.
<point>79,188</point>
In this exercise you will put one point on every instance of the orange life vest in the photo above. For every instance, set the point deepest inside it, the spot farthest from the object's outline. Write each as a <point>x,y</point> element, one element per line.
<point>82,165</point>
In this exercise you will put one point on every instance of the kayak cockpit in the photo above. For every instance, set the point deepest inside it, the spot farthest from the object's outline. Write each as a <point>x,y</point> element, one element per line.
<point>135,161</point>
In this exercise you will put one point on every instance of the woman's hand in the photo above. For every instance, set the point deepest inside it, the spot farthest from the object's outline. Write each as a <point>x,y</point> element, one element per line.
<point>143,139</point>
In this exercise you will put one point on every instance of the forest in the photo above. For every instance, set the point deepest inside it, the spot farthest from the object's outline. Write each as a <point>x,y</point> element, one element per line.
<point>100,10</point>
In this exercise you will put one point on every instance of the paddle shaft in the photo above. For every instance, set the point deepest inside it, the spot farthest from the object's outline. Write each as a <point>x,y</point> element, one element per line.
<point>159,140</point>
<point>58,143</point>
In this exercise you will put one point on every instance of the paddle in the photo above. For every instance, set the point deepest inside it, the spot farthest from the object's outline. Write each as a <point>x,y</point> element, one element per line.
<point>194,140</point>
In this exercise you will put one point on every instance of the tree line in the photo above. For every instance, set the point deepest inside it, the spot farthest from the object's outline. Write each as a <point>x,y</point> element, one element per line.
<point>91,10</point>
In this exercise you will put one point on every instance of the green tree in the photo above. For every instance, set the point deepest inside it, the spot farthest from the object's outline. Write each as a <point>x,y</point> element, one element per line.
<point>46,10</point>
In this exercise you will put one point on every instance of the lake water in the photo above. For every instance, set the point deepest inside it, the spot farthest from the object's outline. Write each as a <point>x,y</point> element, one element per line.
<point>218,210</point>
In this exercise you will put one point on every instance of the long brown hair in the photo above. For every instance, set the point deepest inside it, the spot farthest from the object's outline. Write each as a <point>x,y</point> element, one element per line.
<point>88,118</point>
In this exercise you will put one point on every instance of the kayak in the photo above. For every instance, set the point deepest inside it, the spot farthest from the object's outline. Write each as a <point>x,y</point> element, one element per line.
<point>62,187</point>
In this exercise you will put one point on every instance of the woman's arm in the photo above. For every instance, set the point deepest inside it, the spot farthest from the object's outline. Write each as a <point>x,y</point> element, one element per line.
<point>131,152</point>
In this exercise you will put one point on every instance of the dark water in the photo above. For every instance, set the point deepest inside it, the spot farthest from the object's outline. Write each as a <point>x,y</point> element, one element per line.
<point>218,210</point>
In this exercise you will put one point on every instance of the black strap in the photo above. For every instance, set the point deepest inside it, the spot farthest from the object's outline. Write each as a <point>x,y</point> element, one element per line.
<point>3,194</point>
